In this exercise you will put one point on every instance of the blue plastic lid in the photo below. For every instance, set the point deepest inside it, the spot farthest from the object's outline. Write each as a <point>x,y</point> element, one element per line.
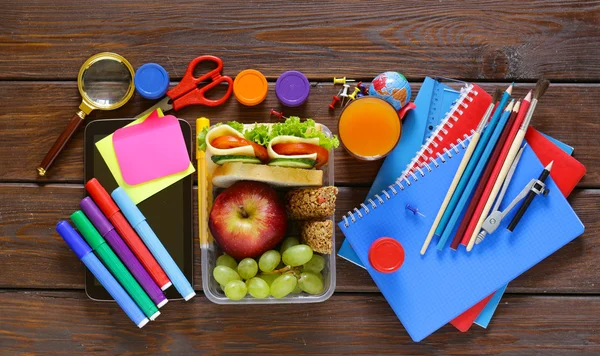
<point>73,239</point>
<point>129,209</point>
<point>151,81</point>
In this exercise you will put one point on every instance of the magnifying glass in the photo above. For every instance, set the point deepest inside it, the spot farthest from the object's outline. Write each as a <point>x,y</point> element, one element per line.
<point>105,82</point>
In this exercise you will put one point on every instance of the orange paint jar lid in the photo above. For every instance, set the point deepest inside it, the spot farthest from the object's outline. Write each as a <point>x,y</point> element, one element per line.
<point>250,87</point>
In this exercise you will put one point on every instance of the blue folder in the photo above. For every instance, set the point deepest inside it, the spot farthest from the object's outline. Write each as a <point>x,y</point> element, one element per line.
<point>429,291</point>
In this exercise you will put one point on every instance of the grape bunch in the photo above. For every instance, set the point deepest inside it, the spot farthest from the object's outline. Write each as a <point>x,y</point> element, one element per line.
<point>292,269</point>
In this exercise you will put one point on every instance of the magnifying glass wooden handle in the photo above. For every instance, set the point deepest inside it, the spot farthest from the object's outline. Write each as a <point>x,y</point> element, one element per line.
<point>60,143</point>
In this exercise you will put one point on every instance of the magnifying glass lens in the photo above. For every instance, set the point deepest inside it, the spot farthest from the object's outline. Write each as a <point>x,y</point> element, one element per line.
<point>106,82</point>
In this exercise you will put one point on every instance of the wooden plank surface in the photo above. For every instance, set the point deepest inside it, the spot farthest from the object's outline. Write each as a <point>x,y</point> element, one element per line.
<point>35,113</point>
<point>43,322</point>
<point>34,256</point>
<point>474,40</point>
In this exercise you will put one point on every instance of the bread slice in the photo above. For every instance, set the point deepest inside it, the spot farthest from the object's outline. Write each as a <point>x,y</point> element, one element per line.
<point>229,173</point>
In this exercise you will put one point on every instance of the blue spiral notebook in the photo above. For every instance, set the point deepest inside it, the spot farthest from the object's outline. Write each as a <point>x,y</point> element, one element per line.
<point>429,291</point>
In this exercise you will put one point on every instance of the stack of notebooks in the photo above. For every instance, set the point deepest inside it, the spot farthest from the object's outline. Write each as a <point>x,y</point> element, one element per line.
<point>458,287</point>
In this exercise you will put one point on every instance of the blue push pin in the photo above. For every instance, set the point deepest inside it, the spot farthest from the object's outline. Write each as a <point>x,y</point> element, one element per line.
<point>151,81</point>
<point>414,210</point>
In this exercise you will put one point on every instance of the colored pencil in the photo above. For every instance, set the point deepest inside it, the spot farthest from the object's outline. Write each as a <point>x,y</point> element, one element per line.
<point>464,199</point>
<point>541,87</point>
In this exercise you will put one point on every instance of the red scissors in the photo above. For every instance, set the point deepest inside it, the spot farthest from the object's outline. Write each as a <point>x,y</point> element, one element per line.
<point>189,91</point>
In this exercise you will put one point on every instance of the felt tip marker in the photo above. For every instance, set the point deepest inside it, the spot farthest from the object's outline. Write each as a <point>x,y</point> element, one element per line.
<point>131,238</point>
<point>84,253</point>
<point>139,223</point>
<point>114,264</point>
<point>107,230</point>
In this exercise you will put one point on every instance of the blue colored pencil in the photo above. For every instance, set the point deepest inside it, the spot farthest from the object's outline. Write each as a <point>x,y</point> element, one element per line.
<point>464,199</point>
<point>475,159</point>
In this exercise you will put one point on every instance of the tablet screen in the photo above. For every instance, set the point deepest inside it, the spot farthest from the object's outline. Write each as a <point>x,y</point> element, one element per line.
<point>168,212</point>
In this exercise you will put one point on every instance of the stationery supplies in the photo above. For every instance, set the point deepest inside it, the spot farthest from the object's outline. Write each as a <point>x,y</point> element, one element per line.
<point>342,80</point>
<point>457,213</point>
<point>534,188</point>
<point>250,87</point>
<point>461,169</point>
<point>139,249</point>
<point>138,192</point>
<point>108,232</point>
<point>152,149</point>
<point>114,264</point>
<point>204,189</point>
<point>151,81</point>
<point>541,87</point>
<point>105,82</point>
<point>191,91</point>
<point>479,158</point>
<point>84,253</point>
<point>292,88</point>
<point>139,223</point>
<point>484,318</point>
<point>462,279</point>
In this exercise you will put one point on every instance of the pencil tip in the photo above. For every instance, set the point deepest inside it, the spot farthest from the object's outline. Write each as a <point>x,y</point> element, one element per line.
<point>517,106</point>
<point>510,88</point>
<point>549,166</point>
<point>528,97</point>
<point>510,105</point>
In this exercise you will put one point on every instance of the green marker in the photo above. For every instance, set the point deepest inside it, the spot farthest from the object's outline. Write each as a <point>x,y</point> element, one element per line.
<point>114,264</point>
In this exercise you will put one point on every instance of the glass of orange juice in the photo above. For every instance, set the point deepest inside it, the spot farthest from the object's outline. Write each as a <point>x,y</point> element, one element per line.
<point>369,128</point>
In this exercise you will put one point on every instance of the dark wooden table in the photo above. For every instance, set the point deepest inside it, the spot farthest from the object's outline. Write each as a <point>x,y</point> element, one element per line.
<point>553,308</point>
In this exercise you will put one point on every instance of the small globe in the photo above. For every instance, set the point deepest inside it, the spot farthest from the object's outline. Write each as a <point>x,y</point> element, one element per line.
<point>391,87</point>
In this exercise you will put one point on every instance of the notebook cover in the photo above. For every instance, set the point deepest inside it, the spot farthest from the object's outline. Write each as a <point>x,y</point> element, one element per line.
<point>428,291</point>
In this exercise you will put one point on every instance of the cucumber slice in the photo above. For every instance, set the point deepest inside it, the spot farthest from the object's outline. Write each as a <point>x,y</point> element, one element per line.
<point>293,162</point>
<point>234,158</point>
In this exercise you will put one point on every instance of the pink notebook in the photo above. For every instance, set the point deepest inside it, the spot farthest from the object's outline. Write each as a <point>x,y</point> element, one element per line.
<point>152,149</point>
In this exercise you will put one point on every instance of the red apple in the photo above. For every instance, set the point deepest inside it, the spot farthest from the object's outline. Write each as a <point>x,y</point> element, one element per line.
<point>247,219</point>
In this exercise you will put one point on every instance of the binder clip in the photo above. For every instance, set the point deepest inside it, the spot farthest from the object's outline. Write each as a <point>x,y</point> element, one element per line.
<point>278,114</point>
<point>342,80</point>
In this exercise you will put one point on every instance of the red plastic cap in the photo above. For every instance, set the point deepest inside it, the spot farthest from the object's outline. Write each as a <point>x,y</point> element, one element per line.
<point>386,255</point>
<point>101,197</point>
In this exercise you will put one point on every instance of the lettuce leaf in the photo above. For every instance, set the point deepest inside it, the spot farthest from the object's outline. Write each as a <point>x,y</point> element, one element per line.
<point>259,134</point>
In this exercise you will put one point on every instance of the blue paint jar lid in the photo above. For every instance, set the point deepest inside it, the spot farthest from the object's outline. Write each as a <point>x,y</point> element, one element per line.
<point>151,81</point>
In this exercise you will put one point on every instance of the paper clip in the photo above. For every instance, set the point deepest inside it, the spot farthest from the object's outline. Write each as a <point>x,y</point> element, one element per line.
<point>342,80</point>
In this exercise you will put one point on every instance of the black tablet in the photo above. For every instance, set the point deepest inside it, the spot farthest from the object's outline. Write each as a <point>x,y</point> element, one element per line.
<point>169,212</point>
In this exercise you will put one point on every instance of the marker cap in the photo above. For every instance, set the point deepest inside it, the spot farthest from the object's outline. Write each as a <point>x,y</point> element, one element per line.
<point>292,88</point>
<point>101,197</point>
<point>129,209</point>
<point>151,81</point>
<point>250,87</point>
<point>386,255</point>
<point>73,239</point>
<point>96,217</point>
<point>89,232</point>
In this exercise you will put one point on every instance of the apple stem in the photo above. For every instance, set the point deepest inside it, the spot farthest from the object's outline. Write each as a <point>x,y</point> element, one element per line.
<point>243,212</point>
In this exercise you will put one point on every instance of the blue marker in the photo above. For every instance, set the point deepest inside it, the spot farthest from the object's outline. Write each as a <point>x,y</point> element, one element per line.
<point>139,223</point>
<point>473,162</point>
<point>89,259</point>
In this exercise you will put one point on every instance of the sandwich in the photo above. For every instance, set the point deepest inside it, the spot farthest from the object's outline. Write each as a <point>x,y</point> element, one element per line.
<point>286,154</point>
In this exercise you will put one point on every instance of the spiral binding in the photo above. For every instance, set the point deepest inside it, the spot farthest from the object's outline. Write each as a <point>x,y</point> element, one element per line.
<point>403,181</point>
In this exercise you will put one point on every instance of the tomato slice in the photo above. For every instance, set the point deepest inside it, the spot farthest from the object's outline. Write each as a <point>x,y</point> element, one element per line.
<point>303,149</point>
<point>225,142</point>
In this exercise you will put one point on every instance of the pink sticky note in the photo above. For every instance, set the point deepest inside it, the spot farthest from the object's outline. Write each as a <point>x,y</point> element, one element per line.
<point>152,149</point>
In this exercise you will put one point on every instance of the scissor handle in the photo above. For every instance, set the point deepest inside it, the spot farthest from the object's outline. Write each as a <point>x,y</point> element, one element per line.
<point>197,97</point>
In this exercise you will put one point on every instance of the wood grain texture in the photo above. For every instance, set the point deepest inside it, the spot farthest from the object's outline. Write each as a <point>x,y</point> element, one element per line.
<point>43,322</point>
<point>35,113</point>
<point>32,255</point>
<point>475,40</point>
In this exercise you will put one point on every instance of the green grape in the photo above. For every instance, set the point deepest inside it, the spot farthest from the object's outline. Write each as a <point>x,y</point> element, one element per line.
<point>310,283</point>
<point>247,268</point>
<point>236,290</point>
<point>226,260</point>
<point>315,265</point>
<point>283,285</point>
<point>269,260</point>
<point>320,275</point>
<point>287,243</point>
<point>222,287</point>
<point>269,277</point>
<point>258,288</point>
<point>297,289</point>
<point>297,255</point>
<point>224,275</point>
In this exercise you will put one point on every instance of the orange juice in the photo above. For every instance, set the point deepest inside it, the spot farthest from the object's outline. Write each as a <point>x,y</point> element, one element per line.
<point>369,128</point>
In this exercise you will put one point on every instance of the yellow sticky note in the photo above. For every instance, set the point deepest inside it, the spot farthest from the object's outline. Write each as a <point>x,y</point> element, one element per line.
<point>138,192</point>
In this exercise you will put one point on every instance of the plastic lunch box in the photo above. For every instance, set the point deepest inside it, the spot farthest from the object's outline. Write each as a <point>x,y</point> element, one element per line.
<point>211,251</point>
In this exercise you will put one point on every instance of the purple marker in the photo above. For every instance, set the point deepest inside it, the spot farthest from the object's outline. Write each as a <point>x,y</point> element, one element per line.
<point>107,230</point>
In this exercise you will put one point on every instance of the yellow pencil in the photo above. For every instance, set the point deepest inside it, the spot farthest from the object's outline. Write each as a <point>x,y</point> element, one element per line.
<point>204,188</point>
<point>458,175</point>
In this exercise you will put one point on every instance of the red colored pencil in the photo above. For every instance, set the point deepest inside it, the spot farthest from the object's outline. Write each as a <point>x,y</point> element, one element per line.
<point>496,171</point>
